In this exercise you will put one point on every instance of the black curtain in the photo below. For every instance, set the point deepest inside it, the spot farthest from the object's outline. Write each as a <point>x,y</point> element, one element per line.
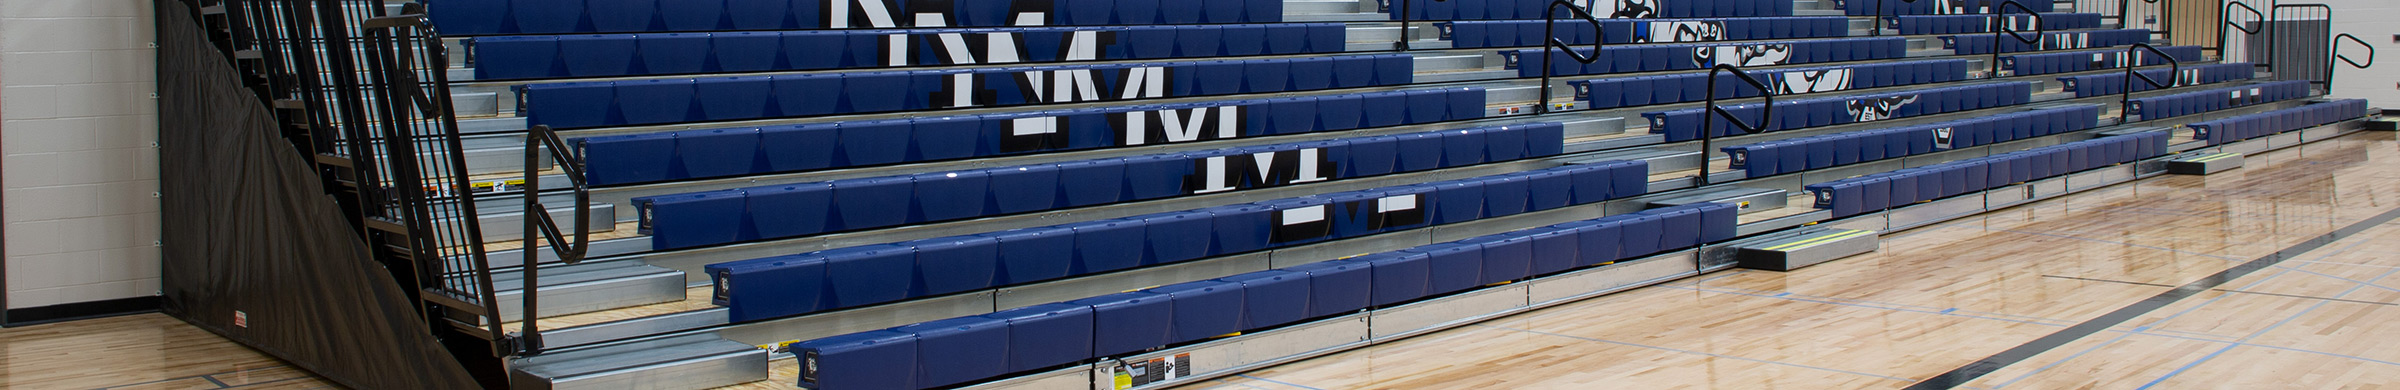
<point>247,228</point>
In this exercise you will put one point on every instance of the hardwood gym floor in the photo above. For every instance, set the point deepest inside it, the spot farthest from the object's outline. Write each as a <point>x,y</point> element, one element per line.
<point>1933,300</point>
<point>1986,291</point>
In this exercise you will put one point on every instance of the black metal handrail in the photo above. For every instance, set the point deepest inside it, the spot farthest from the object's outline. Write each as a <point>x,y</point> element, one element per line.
<point>1406,17</point>
<point>2275,16</point>
<point>538,220</point>
<point>1880,12</point>
<point>2336,53</point>
<point>2039,34</point>
<point>1710,112</point>
<point>1551,44</point>
<point>2125,100</point>
<point>2225,19</point>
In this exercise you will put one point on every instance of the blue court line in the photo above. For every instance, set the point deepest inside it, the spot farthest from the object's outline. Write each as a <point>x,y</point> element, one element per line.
<point>2154,324</point>
<point>1276,382</point>
<point>2263,332</point>
<point>1699,353</point>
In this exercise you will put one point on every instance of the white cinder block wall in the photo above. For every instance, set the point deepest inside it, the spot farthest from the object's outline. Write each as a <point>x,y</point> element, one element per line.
<point>2370,20</point>
<point>77,121</point>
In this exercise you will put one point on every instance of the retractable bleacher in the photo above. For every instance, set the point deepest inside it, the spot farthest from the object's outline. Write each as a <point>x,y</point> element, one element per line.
<point>1022,193</point>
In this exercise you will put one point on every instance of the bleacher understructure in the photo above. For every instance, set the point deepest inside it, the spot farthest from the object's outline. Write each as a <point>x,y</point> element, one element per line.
<point>1109,194</point>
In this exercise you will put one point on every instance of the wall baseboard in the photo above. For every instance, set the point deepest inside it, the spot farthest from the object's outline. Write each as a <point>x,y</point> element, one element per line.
<point>80,311</point>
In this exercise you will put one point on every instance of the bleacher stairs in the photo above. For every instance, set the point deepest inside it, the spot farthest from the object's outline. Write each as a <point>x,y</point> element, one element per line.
<point>1110,193</point>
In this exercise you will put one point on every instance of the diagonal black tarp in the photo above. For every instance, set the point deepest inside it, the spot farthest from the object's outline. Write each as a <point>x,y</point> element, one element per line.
<point>247,228</point>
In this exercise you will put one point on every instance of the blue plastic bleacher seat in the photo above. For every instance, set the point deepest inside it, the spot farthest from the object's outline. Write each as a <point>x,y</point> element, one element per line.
<point>868,203</point>
<point>872,360</point>
<point>1198,41</point>
<point>1091,182</point>
<point>790,210</point>
<point>1554,249</point>
<point>1640,236</point>
<point>1129,322</point>
<point>1138,12</point>
<point>1046,335</point>
<point>808,94</point>
<point>771,287</point>
<point>1380,109</point>
<point>597,55</point>
<point>1398,276</point>
<point>570,105</point>
<point>1034,254</point>
<point>1340,112</point>
<point>1283,38</point>
<point>1335,287</point>
<point>866,275</point>
<point>1505,195</point>
<point>1204,309</point>
<point>1108,245</point>
<point>959,349</point>
<point>943,196</point>
<point>524,57</point>
<point>954,264</point>
<point>1023,188</point>
<point>1177,236</point>
<point>1240,228</point>
<point>729,98</point>
<point>719,152</point>
<point>1506,257</point>
<point>1452,266</point>
<point>1248,39</point>
<point>625,159</point>
<point>1463,147</point>
<point>547,16</point>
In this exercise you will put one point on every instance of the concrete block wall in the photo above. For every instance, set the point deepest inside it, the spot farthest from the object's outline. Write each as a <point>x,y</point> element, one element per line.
<point>2370,20</point>
<point>78,169</point>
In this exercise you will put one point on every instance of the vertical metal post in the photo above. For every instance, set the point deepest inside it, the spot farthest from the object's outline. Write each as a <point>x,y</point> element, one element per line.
<point>1710,111</point>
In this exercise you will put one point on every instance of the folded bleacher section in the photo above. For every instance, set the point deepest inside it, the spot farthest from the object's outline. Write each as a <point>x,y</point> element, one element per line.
<point>1961,24</point>
<point>1676,88</point>
<point>954,351</point>
<point>793,210</point>
<point>2243,127</point>
<point>1985,43</point>
<point>859,276</point>
<point>1684,124</point>
<point>2048,63</point>
<point>1837,149</point>
<point>1881,191</point>
<point>498,17</point>
<point>1518,33</point>
<point>2115,83</point>
<point>611,55</point>
<point>1687,56</point>
<point>1936,7</point>
<point>2213,99</point>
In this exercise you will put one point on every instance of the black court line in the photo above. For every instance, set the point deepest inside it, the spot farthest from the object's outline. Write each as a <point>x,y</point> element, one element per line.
<point>2228,291</point>
<point>1960,376</point>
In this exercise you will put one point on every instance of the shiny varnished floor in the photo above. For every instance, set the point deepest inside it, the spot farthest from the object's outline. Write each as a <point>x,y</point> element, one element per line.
<point>148,351</point>
<point>1933,299</point>
<point>1938,298</point>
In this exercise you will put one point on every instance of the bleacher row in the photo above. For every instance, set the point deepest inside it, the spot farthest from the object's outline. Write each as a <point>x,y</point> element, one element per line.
<point>2187,103</point>
<point>2047,63</point>
<point>2222,131</point>
<point>494,17</point>
<point>2115,83</point>
<point>1515,33</point>
<point>780,286</point>
<point>1961,24</point>
<point>792,210</point>
<point>1685,56</point>
<point>1983,43</point>
<point>1691,87</point>
<point>556,56</point>
<point>1829,150</point>
<point>1532,9</point>
<point>1684,124</point>
<point>1936,7</point>
<point>648,102</point>
<point>1881,191</point>
<point>652,157</point>
<point>959,350</point>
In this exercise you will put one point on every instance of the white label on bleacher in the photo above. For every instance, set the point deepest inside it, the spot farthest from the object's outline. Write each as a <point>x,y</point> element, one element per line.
<point>1396,203</point>
<point>1303,215</point>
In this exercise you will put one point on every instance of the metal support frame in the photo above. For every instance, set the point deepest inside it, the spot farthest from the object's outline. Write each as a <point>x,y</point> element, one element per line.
<point>2124,102</point>
<point>2001,12</point>
<point>2225,19</point>
<point>1551,44</point>
<point>2335,49</point>
<point>1710,112</point>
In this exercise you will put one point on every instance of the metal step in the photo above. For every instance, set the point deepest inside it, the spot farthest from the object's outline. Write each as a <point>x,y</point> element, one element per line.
<point>1746,200</point>
<point>1337,17</point>
<point>590,287</point>
<point>1325,7</point>
<point>682,362</point>
<point>1811,247</point>
<point>509,225</point>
